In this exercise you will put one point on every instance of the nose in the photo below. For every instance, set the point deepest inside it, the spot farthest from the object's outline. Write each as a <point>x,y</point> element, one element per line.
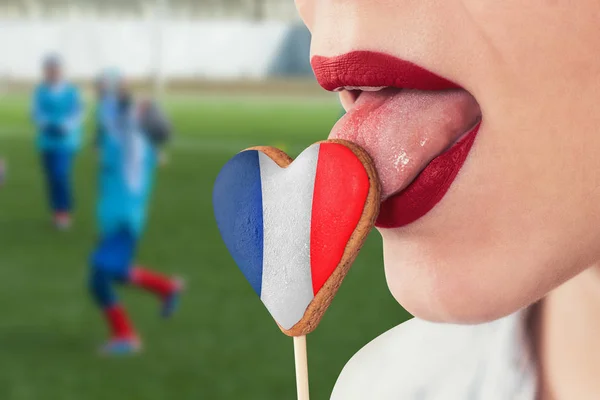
<point>306,10</point>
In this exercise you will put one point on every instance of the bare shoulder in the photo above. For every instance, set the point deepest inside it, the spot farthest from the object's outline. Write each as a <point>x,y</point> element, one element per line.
<point>423,360</point>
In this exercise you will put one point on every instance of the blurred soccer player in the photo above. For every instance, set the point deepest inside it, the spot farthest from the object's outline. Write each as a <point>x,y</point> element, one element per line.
<point>57,114</point>
<point>128,137</point>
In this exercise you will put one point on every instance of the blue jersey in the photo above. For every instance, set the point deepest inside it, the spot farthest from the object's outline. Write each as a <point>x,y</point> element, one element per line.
<point>58,115</point>
<point>106,117</point>
<point>127,168</point>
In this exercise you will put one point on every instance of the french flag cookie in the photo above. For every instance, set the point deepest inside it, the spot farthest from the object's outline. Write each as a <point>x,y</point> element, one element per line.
<point>295,227</point>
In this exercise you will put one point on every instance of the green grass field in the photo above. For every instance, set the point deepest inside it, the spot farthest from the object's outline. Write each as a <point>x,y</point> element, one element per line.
<point>222,344</point>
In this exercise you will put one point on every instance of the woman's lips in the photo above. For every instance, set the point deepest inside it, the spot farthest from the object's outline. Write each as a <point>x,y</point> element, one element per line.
<point>418,139</point>
<point>373,69</point>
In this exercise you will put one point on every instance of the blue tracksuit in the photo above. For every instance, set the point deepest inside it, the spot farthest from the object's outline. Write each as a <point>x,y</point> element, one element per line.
<point>57,114</point>
<point>127,167</point>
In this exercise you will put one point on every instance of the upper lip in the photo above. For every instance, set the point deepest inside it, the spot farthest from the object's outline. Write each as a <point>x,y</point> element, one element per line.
<point>366,69</point>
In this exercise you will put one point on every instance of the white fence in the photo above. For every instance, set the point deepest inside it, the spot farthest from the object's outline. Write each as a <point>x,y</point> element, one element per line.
<point>181,49</point>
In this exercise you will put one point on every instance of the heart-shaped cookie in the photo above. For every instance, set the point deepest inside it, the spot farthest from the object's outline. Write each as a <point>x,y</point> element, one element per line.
<point>295,227</point>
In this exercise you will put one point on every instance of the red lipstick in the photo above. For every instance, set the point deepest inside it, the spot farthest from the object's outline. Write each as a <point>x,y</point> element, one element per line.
<point>418,126</point>
<point>365,68</point>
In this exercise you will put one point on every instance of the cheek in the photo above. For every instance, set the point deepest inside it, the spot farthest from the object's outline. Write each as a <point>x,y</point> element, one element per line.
<point>539,39</point>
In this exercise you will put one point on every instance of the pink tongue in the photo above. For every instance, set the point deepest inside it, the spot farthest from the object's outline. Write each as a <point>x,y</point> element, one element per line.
<point>403,130</point>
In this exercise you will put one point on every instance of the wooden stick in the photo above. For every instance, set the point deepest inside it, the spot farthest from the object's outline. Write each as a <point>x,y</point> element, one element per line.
<point>301,367</point>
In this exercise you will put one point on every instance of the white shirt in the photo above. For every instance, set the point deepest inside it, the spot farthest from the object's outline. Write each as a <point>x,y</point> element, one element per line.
<point>426,361</point>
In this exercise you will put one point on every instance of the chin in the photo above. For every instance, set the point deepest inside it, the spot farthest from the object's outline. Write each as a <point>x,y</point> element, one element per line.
<point>456,283</point>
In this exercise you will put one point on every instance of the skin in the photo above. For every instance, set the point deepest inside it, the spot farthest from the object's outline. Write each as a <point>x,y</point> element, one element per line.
<point>523,216</point>
<point>52,74</point>
<point>568,342</point>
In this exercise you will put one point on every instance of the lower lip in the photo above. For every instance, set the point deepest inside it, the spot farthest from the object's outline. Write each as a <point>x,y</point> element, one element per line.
<point>429,188</point>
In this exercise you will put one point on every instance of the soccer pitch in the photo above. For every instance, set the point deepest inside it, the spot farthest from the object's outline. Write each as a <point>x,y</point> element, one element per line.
<point>222,344</point>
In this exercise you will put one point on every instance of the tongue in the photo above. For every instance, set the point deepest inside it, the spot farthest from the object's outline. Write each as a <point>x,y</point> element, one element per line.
<point>403,130</point>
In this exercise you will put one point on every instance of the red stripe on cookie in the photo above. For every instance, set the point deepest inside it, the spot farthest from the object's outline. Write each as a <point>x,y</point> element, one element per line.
<point>340,194</point>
